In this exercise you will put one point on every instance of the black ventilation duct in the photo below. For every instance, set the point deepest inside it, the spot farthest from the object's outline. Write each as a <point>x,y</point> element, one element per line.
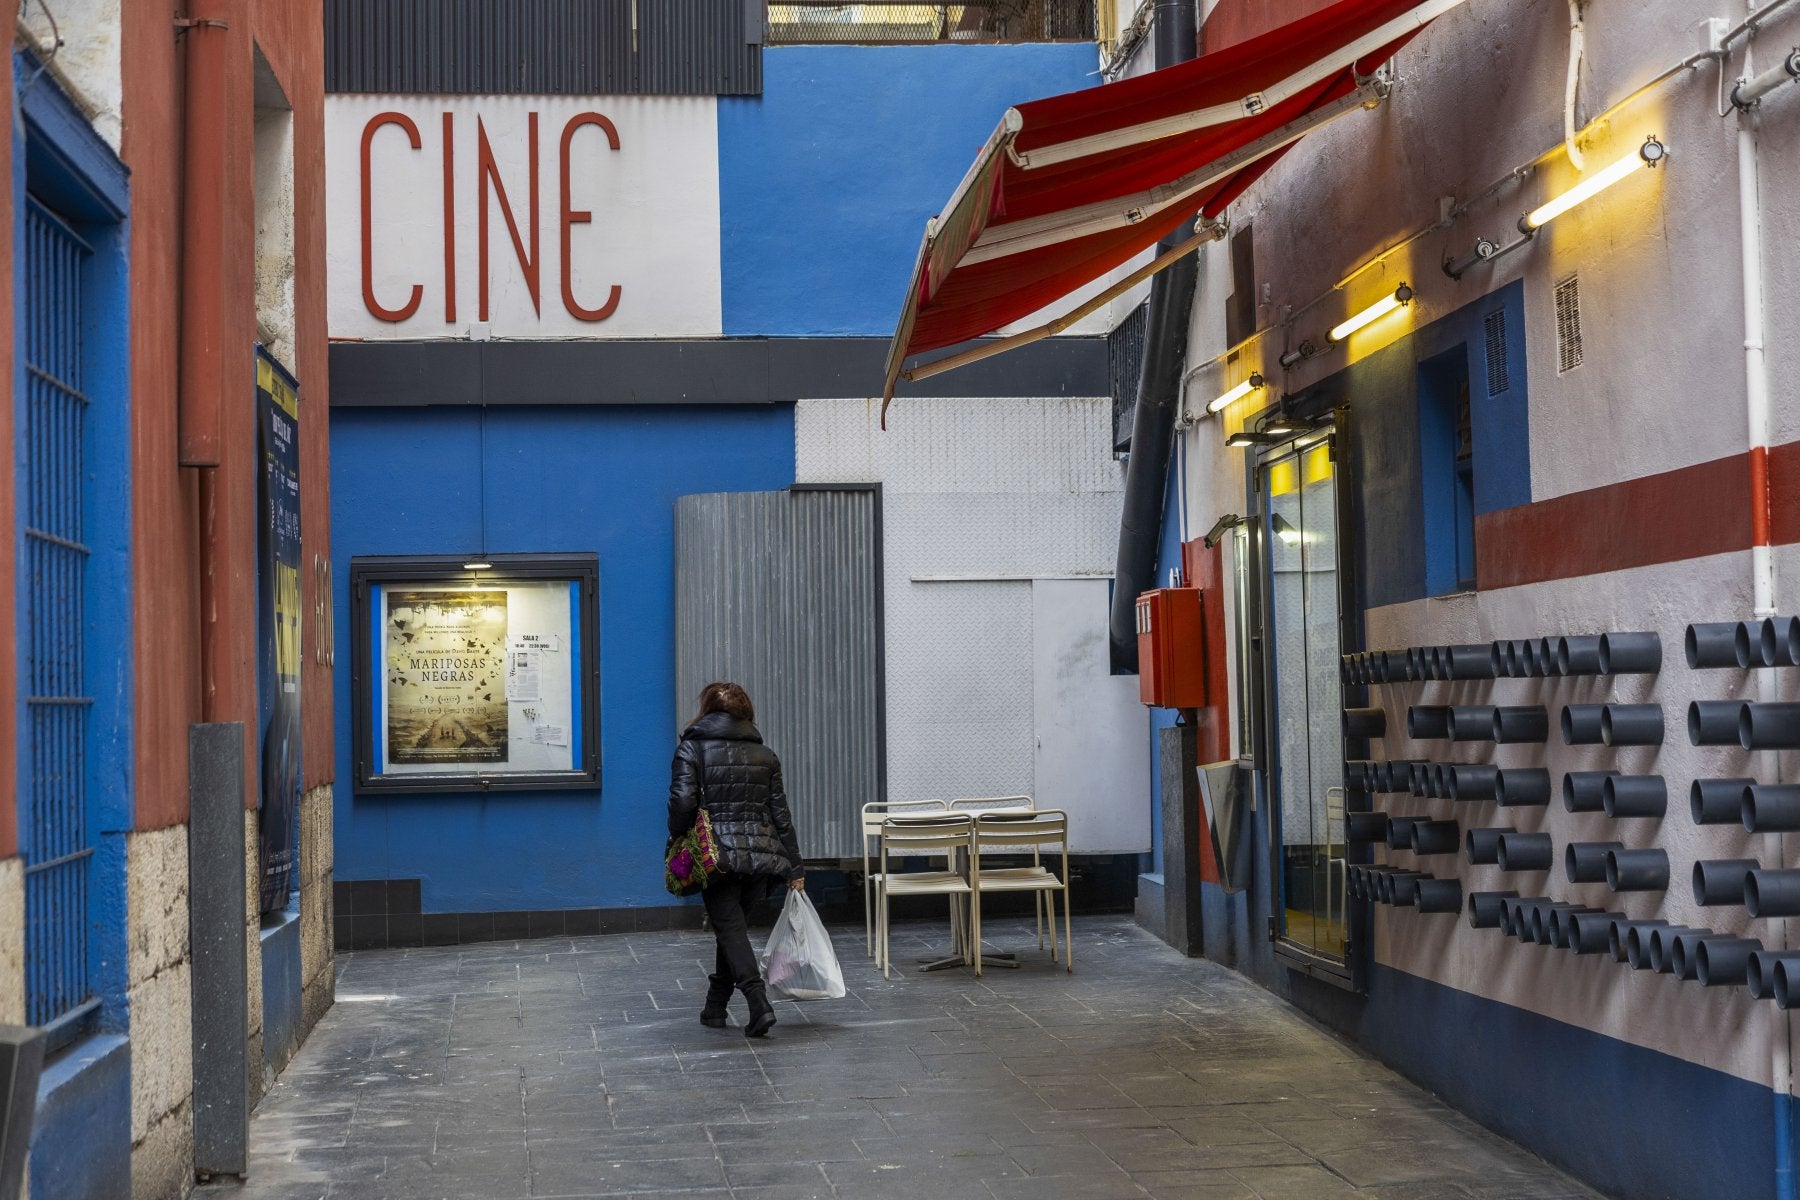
<point>1159,391</point>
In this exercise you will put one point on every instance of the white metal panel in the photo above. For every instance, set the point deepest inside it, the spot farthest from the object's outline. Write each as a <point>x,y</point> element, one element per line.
<point>980,498</point>
<point>1093,734</point>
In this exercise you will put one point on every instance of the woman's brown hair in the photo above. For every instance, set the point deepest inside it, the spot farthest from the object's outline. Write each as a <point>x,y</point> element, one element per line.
<point>727,698</point>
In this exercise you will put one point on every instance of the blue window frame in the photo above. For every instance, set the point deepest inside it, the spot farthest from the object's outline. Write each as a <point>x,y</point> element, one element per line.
<point>71,473</point>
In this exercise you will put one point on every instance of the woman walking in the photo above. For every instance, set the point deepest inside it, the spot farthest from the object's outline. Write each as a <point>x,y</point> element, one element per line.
<point>721,765</point>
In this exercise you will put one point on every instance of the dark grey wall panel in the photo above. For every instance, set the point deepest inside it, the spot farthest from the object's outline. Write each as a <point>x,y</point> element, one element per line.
<point>782,592</point>
<point>220,981</point>
<point>721,371</point>
<point>543,47</point>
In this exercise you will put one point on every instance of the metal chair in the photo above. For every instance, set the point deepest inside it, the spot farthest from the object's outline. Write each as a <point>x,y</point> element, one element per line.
<point>1036,830</point>
<point>872,817</point>
<point>929,835</point>
<point>1040,900</point>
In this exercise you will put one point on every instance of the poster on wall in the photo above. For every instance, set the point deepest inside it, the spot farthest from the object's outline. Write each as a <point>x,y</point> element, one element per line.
<point>475,675</point>
<point>446,657</point>
<point>278,628</point>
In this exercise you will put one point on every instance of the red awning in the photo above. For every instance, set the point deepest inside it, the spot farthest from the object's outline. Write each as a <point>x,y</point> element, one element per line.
<point>1071,187</point>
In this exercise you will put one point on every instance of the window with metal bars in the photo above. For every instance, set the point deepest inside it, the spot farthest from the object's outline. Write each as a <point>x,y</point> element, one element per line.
<point>54,555</point>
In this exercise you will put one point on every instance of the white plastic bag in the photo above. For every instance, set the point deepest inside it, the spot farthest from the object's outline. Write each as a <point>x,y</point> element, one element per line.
<point>798,963</point>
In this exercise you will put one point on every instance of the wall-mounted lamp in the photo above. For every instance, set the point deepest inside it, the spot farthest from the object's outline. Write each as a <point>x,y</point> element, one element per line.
<point>1221,527</point>
<point>1249,437</point>
<point>1252,384</point>
<point>1284,529</point>
<point>1298,354</point>
<point>1402,296</point>
<point>478,566</point>
<point>1649,154</point>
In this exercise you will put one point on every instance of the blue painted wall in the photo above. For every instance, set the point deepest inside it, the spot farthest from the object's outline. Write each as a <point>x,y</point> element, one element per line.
<point>1382,390</point>
<point>827,179</point>
<point>527,480</point>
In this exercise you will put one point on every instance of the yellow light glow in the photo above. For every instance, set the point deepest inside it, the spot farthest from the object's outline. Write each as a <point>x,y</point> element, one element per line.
<point>1374,312</point>
<point>1237,393</point>
<point>1587,188</point>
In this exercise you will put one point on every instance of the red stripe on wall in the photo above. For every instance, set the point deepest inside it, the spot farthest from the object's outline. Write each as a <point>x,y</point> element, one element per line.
<point>1784,494</point>
<point>1675,515</point>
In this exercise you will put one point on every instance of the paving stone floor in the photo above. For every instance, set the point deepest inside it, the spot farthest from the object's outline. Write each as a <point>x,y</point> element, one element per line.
<point>577,1068</point>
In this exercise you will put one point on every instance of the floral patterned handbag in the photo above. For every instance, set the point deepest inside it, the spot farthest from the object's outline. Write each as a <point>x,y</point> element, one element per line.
<point>692,858</point>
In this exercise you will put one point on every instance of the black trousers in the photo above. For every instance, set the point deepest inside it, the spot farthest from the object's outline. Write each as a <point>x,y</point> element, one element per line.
<point>726,898</point>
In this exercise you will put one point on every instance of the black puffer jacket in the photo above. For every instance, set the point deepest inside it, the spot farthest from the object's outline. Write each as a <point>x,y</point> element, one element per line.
<point>722,764</point>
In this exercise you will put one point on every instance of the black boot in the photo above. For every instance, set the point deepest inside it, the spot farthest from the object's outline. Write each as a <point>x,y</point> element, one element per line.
<point>762,1013</point>
<point>718,995</point>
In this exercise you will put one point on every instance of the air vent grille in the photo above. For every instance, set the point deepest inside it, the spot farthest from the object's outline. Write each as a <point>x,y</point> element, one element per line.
<point>1568,325</point>
<point>1497,380</point>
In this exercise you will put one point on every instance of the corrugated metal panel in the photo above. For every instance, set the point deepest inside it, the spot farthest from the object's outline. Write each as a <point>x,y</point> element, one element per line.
<point>543,47</point>
<point>781,591</point>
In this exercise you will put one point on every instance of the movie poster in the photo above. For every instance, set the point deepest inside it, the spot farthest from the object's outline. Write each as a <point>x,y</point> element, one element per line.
<point>278,627</point>
<point>446,678</point>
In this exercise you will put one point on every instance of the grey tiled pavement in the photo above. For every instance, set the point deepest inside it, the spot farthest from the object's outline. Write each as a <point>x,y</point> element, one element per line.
<point>577,1068</point>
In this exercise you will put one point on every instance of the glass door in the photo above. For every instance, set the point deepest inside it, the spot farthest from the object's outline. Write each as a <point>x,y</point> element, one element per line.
<point>1298,486</point>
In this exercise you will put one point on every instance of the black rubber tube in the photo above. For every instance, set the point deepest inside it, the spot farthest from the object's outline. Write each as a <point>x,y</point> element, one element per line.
<point>1631,724</point>
<point>1522,787</point>
<point>1785,633</point>
<point>1637,870</point>
<point>1399,833</point>
<point>1585,862</point>
<point>1483,845</point>
<point>1772,892</point>
<point>1439,895</point>
<point>1365,826</point>
<point>1712,645</point>
<point>1521,723</point>
<point>1365,722</point>
<point>1765,643</point>
<point>1714,722</point>
<point>1645,796</point>
<point>1759,974</point>
<point>1543,653</point>
<point>1437,662</point>
<point>1785,993</point>
<point>1660,946</point>
<point>1436,837</point>
<point>1591,932</point>
<point>1472,781</point>
<point>1721,880</point>
<point>1769,726</point>
<point>1484,908</point>
<point>1515,912</point>
<point>1723,961</point>
<point>1472,723</point>
<point>1578,655</point>
<point>1717,801</point>
<point>1585,791</point>
<point>1470,662</point>
<point>1405,891</point>
<point>1626,938</point>
<point>1425,722</point>
<point>1525,852</point>
<point>1680,952</point>
<point>1390,884</point>
<point>1581,724</point>
<point>1438,781</point>
<point>1771,808</point>
<point>1517,667</point>
<point>1557,930</point>
<point>1630,653</point>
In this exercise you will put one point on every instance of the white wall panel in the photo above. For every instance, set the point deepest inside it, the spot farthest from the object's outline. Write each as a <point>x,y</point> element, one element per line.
<point>980,498</point>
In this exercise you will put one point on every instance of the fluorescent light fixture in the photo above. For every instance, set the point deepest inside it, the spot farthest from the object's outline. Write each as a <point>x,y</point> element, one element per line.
<point>1254,383</point>
<point>1402,296</point>
<point>1283,529</point>
<point>477,566</point>
<point>1646,155</point>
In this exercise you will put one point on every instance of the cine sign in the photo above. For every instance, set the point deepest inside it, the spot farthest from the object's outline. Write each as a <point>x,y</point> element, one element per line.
<point>521,216</point>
